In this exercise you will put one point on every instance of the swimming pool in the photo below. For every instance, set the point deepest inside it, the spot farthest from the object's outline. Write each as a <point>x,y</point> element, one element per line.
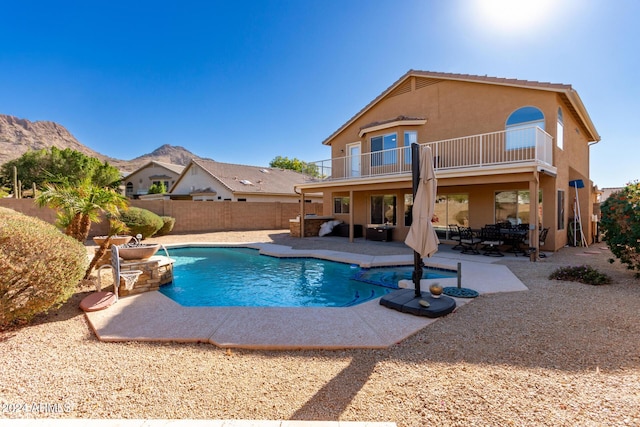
<point>224,276</point>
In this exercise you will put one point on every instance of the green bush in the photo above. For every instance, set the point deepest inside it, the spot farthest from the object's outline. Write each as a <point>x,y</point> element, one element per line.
<point>39,267</point>
<point>168,223</point>
<point>157,189</point>
<point>620,224</point>
<point>141,221</point>
<point>583,274</point>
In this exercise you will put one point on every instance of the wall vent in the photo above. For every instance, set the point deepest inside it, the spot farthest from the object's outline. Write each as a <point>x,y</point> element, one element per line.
<point>425,81</point>
<point>403,88</point>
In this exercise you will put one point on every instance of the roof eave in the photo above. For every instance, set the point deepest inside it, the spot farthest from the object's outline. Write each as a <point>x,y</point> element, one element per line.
<point>584,115</point>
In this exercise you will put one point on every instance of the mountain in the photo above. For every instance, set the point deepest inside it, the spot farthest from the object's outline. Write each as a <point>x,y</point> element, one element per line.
<point>167,154</point>
<point>17,136</point>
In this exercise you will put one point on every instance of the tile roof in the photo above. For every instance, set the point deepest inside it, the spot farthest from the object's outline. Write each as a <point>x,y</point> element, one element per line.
<point>170,166</point>
<point>489,79</point>
<point>395,119</point>
<point>252,179</point>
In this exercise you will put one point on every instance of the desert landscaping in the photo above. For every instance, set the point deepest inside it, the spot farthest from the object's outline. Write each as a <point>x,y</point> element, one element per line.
<point>562,353</point>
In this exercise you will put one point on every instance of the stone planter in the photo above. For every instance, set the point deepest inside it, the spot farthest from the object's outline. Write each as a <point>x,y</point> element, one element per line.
<point>140,251</point>
<point>115,240</point>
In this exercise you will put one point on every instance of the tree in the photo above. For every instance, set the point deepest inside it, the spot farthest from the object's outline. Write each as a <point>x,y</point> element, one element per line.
<point>115,227</point>
<point>620,224</point>
<point>157,188</point>
<point>80,205</point>
<point>61,167</point>
<point>295,164</point>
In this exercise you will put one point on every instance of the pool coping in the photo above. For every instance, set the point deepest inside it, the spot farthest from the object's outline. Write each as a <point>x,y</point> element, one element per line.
<point>152,316</point>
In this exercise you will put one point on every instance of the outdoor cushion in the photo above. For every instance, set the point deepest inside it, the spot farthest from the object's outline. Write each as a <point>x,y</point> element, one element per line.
<point>97,301</point>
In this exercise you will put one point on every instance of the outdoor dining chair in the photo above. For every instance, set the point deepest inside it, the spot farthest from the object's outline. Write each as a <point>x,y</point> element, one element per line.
<point>454,235</point>
<point>491,240</point>
<point>541,239</point>
<point>469,241</point>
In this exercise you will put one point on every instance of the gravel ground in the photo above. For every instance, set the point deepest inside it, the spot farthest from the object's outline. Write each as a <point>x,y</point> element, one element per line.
<point>560,354</point>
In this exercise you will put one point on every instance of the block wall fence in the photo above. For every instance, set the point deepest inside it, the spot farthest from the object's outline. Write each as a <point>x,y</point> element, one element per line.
<point>194,217</point>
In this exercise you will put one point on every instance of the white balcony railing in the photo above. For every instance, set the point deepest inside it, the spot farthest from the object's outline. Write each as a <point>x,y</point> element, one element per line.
<point>532,145</point>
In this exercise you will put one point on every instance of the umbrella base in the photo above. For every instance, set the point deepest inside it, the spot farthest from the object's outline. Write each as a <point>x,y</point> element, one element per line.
<point>460,292</point>
<point>405,300</point>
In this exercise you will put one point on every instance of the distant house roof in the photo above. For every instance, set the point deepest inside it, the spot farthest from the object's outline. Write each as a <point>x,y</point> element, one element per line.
<point>250,179</point>
<point>172,167</point>
<point>569,95</point>
<point>608,191</point>
<point>177,169</point>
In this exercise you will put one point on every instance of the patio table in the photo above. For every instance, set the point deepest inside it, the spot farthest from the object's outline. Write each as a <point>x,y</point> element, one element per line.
<point>514,237</point>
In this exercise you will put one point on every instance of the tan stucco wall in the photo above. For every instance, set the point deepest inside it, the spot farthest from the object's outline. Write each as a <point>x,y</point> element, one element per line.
<point>141,179</point>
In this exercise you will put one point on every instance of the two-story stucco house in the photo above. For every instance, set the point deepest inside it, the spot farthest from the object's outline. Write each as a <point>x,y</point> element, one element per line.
<point>137,183</point>
<point>503,150</point>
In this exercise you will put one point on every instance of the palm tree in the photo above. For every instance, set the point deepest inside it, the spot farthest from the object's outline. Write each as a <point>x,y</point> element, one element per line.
<point>80,205</point>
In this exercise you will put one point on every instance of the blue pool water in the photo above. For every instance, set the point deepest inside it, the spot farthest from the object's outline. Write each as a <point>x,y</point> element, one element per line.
<point>243,277</point>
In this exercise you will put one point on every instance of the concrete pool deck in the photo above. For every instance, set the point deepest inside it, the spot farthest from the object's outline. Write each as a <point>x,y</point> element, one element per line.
<point>154,317</point>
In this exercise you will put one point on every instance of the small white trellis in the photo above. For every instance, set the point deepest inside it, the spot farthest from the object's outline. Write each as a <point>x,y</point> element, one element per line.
<point>130,278</point>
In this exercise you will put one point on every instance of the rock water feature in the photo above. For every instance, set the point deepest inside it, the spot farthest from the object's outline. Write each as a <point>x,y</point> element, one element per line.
<point>136,250</point>
<point>156,270</point>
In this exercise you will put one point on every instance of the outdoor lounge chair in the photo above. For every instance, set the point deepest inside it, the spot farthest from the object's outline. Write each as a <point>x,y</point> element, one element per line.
<point>469,241</point>
<point>100,299</point>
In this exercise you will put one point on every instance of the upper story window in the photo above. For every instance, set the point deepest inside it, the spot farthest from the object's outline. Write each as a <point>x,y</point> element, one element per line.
<point>521,126</point>
<point>560,130</point>
<point>382,152</point>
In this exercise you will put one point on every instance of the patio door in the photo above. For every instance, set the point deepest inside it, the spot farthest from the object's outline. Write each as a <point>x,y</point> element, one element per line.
<point>353,159</point>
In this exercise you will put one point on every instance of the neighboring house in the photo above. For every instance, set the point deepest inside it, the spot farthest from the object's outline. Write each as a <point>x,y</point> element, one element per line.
<point>608,191</point>
<point>495,143</point>
<point>137,183</point>
<point>208,180</point>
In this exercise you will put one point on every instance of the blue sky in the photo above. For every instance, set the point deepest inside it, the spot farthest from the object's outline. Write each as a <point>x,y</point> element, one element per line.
<point>244,82</point>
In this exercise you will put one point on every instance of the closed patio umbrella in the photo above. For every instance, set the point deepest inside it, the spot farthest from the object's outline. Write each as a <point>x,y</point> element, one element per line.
<point>422,236</point>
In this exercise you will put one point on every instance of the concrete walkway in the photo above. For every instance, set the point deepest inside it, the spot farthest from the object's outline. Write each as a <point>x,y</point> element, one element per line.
<point>154,317</point>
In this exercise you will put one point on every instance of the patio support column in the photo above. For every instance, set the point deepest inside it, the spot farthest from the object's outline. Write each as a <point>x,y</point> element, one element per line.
<point>351,227</point>
<point>534,206</point>
<point>302,214</point>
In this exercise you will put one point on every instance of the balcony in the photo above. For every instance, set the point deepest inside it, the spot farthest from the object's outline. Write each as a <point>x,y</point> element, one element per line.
<point>497,150</point>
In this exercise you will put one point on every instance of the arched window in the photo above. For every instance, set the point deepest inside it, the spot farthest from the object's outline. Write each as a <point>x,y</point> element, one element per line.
<point>560,130</point>
<point>521,127</point>
<point>129,190</point>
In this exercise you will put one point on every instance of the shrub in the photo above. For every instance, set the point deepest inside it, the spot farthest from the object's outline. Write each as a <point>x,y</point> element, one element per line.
<point>168,223</point>
<point>583,274</point>
<point>620,224</point>
<point>39,267</point>
<point>157,189</point>
<point>141,221</point>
